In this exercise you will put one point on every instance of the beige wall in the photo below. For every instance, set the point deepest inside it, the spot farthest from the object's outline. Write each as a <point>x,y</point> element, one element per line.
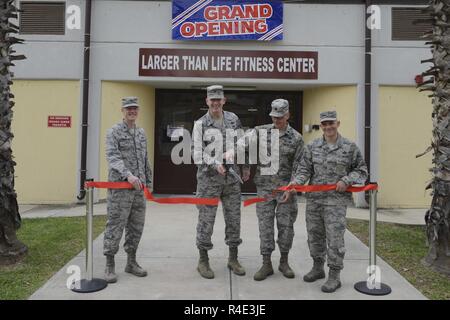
<point>46,170</point>
<point>342,99</point>
<point>404,131</point>
<point>112,93</point>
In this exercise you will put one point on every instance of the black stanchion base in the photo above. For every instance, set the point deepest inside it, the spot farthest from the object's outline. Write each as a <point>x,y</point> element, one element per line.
<point>86,286</point>
<point>362,287</point>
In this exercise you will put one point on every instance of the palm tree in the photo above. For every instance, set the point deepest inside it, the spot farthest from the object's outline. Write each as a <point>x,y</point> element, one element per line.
<point>437,78</point>
<point>11,249</point>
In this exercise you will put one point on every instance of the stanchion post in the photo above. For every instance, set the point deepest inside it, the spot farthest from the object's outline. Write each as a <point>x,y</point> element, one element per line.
<point>89,231</point>
<point>373,286</point>
<point>373,228</point>
<point>89,284</point>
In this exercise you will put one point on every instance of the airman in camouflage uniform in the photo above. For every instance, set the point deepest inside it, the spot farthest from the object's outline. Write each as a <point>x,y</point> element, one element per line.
<point>126,152</point>
<point>214,181</point>
<point>277,206</point>
<point>331,159</point>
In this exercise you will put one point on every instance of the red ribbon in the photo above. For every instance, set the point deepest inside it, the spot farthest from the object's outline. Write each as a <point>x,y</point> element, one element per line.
<point>149,195</point>
<point>215,201</point>
<point>312,188</point>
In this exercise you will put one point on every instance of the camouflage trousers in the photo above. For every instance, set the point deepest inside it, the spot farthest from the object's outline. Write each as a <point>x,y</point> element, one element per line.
<point>284,213</point>
<point>125,210</point>
<point>326,225</point>
<point>230,196</point>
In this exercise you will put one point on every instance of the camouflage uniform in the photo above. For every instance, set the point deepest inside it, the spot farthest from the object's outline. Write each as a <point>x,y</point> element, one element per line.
<point>325,211</point>
<point>290,151</point>
<point>210,184</point>
<point>126,152</point>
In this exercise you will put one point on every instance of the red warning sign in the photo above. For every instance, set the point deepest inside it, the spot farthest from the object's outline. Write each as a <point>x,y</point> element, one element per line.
<point>59,121</point>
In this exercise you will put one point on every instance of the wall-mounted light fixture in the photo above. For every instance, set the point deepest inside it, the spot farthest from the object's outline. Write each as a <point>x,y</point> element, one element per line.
<point>310,127</point>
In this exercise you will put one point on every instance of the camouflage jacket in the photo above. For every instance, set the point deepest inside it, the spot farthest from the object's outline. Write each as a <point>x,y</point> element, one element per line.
<point>289,155</point>
<point>206,166</point>
<point>322,164</point>
<point>127,154</point>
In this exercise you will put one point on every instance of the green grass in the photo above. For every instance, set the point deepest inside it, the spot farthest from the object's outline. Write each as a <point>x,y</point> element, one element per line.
<point>52,242</point>
<point>403,247</point>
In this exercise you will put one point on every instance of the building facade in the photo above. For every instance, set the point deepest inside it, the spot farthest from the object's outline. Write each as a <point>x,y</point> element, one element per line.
<point>49,84</point>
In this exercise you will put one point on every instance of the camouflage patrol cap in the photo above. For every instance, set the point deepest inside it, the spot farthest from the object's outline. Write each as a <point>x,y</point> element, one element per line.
<point>130,102</point>
<point>279,108</point>
<point>215,92</point>
<point>328,116</point>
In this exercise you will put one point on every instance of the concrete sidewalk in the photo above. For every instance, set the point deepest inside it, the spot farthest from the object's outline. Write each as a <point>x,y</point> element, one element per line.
<point>167,250</point>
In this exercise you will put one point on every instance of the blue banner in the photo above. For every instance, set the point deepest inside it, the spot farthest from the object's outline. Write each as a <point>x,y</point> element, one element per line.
<point>227,20</point>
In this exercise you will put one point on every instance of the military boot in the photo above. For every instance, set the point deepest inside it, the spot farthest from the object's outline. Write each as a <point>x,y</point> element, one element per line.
<point>333,283</point>
<point>233,262</point>
<point>110,275</point>
<point>133,267</point>
<point>284,267</point>
<point>266,269</point>
<point>203,265</point>
<point>316,272</point>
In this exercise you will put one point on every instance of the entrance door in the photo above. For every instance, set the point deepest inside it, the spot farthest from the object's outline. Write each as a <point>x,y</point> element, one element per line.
<point>176,109</point>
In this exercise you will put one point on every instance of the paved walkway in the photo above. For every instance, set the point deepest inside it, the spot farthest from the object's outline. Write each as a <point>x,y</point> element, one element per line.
<point>168,252</point>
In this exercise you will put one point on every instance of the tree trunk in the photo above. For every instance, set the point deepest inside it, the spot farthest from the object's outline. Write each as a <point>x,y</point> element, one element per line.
<point>438,216</point>
<point>437,219</point>
<point>11,249</point>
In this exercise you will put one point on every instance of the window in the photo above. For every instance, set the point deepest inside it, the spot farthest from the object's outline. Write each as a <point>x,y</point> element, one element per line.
<point>42,17</point>
<point>403,27</point>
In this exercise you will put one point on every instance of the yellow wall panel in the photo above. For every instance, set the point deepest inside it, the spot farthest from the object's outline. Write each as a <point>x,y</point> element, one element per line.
<point>112,94</point>
<point>46,170</point>
<point>404,131</point>
<point>342,99</point>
